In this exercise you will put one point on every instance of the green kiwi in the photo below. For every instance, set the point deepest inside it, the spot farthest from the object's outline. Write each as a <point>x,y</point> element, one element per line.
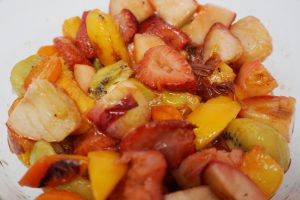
<point>247,133</point>
<point>108,77</point>
<point>20,71</point>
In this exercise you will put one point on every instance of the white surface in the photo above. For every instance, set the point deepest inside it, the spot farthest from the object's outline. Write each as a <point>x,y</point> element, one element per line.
<point>25,25</point>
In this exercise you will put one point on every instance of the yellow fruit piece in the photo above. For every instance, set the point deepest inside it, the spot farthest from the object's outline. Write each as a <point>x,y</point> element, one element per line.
<point>105,34</point>
<point>67,82</point>
<point>263,170</point>
<point>105,172</point>
<point>212,118</point>
<point>222,74</point>
<point>25,158</point>
<point>70,27</point>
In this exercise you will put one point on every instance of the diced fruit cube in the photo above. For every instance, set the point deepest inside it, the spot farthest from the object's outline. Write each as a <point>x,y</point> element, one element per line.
<point>202,192</point>
<point>83,75</point>
<point>228,182</point>
<point>208,15</point>
<point>222,74</point>
<point>162,113</point>
<point>47,50</point>
<point>255,80</point>
<point>220,41</point>
<point>263,170</point>
<point>255,39</point>
<point>53,194</point>
<point>62,116</point>
<point>175,12</point>
<point>143,42</point>
<point>277,111</point>
<point>71,27</point>
<point>105,172</point>
<point>142,9</point>
<point>212,118</point>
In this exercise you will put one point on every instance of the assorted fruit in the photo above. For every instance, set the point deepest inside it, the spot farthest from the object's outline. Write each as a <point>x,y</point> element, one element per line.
<point>159,99</point>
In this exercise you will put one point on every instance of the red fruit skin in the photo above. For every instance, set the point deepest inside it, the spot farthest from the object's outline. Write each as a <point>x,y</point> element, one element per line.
<point>128,25</point>
<point>174,139</point>
<point>144,178</point>
<point>164,68</point>
<point>70,53</point>
<point>170,34</point>
<point>228,182</point>
<point>82,40</point>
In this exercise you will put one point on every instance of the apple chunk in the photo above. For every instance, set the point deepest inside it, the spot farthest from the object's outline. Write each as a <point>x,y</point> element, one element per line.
<point>141,9</point>
<point>83,75</point>
<point>255,38</point>
<point>143,42</point>
<point>228,182</point>
<point>202,192</point>
<point>220,41</point>
<point>208,15</point>
<point>184,10</point>
<point>277,111</point>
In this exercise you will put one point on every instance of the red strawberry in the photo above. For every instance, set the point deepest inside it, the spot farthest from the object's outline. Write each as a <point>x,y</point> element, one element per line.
<point>170,34</point>
<point>71,54</point>
<point>82,40</point>
<point>128,25</point>
<point>164,68</point>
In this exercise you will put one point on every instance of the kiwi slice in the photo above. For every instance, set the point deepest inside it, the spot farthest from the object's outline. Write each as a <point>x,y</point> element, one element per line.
<point>247,133</point>
<point>108,77</point>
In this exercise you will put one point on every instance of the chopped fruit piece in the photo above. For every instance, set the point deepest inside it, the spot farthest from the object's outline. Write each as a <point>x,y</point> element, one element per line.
<point>62,116</point>
<point>220,41</point>
<point>228,182</point>
<point>83,75</point>
<point>53,170</point>
<point>163,68</point>
<point>175,12</point>
<point>128,25</point>
<point>69,52</point>
<point>130,106</point>
<point>147,92</point>
<point>222,74</point>
<point>202,192</point>
<point>141,9</point>
<point>49,68</point>
<point>172,138</point>
<point>40,150</point>
<point>255,39</point>
<point>71,27</point>
<point>105,35</point>
<point>94,141</point>
<point>67,82</point>
<point>48,50</point>
<point>105,172</point>
<point>144,42</point>
<point>189,172</point>
<point>255,80</point>
<point>277,111</point>
<point>162,113</point>
<point>54,194</point>
<point>170,34</point>
<point>263,170</point>
<point>144,178</point>
<point>212,118</point>
<point>82,40</point>
<point>208,15</point>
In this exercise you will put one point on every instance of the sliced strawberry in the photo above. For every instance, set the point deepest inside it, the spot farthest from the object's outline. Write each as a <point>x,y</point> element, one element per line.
<point>94,141</point>
<point>128,25</point>
<point>228,182</point>
<point>82,40</point>
<point>172,138</point>
<point>164,68</point>
<point>71,54</point>
<point>170,34</point>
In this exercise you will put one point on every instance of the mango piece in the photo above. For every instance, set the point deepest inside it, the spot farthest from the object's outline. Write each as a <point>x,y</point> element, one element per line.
<point>67,82</point>
<point>104,33</point>
<point>263,170</point>
<point>212,118</point>
<point>105,172</point>
<point>71,27</point>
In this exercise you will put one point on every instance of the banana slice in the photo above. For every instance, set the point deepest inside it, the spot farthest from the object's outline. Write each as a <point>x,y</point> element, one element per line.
<point>45,113</point>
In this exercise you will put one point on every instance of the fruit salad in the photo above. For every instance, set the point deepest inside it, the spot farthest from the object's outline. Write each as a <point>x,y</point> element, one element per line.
<point>157,99</point>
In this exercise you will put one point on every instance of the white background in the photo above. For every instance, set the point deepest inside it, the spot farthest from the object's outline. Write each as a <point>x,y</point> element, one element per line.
<point>25,25</point>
